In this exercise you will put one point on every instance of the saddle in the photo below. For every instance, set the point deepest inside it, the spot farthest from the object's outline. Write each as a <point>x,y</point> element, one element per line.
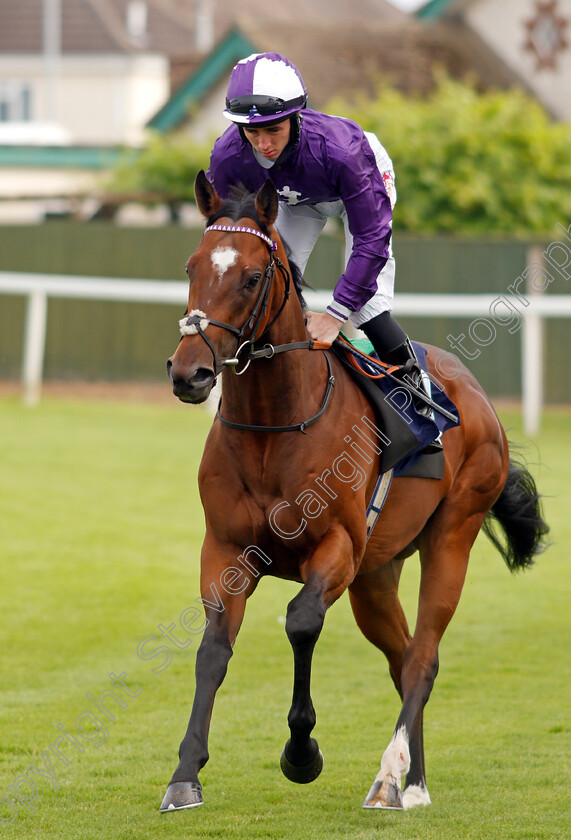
<point>408,431</point>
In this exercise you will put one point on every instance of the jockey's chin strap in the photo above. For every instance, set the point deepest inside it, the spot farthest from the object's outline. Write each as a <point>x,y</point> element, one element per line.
<point>197,321</point>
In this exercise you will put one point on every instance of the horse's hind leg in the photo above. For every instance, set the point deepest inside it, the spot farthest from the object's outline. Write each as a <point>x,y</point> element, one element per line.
<point>444,552</point>
<point>380,617</point>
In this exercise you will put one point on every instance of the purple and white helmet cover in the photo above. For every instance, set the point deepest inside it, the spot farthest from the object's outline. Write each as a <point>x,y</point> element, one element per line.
<point>265,75</point>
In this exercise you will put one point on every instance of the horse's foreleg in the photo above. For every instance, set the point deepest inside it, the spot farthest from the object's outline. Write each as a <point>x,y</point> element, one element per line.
<point>184,790</point>
<point>444,560</point>
<point>329,572</point>
<point>224,619</point>
<point>301,759</point>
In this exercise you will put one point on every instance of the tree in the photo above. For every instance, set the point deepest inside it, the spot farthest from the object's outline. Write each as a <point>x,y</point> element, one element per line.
<point>469,162</point>
<point>466,162</point>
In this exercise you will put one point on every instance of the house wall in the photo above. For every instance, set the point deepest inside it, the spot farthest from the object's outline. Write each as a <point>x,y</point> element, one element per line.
<point>208,121</point>
<point>501,24</point>
<point>25,182</point>
<point>97,99</point>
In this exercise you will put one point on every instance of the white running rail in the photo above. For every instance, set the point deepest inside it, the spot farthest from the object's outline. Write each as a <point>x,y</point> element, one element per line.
<point>39,288</point>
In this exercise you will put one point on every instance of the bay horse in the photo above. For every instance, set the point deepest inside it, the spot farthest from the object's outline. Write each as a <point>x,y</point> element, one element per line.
<point>275,504</point>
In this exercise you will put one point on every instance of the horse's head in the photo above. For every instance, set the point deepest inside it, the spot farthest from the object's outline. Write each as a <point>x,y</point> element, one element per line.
<point>232,291</point>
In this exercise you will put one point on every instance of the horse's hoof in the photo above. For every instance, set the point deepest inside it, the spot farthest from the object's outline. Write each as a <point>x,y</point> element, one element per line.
<point>181,795</point>
<point>384,795</point>
<point>307,772</point>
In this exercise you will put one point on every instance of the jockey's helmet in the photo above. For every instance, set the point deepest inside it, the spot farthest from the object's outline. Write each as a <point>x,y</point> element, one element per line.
<point>264,88</point>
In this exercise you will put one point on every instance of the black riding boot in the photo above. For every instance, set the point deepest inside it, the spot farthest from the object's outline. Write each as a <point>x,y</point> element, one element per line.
<point>392,345</point>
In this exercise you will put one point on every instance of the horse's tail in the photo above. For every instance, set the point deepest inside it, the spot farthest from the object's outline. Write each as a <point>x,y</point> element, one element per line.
<point>518,512</point>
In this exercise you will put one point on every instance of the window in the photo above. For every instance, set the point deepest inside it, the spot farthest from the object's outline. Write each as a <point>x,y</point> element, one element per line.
<point>15,102</point>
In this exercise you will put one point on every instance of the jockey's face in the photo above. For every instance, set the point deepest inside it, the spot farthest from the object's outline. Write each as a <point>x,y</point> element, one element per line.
<point>270,140</point>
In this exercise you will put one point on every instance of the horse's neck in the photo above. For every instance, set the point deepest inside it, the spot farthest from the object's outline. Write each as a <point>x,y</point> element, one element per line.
<point>282,390</point>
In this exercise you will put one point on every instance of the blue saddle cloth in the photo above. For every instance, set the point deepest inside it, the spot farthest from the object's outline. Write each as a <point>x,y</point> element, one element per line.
<point>409,432</point>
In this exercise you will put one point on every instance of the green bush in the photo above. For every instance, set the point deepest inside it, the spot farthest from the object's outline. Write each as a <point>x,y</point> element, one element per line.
<point>163,171</point>
<point>466,162</point>
<point>469,162</point>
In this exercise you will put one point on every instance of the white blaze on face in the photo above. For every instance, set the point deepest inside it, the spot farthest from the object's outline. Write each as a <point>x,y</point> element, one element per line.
<point>222,258</point>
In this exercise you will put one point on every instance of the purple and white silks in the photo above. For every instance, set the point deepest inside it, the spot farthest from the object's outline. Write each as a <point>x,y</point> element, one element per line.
<point>333,162</point>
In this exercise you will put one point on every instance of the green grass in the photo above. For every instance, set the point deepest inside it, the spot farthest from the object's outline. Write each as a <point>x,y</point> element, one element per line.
<point>100,531</point>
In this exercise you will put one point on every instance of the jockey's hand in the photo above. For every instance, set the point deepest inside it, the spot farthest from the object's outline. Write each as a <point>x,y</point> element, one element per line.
<point>322,326</point>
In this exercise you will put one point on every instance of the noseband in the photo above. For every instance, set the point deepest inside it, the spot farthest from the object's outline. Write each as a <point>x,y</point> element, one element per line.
<point>197,321</point>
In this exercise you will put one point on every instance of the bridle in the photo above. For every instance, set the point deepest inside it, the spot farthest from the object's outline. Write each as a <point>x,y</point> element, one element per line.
<point>196,322</point>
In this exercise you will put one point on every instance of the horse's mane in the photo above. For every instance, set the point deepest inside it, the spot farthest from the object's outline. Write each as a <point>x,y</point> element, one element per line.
<point>243,204</point>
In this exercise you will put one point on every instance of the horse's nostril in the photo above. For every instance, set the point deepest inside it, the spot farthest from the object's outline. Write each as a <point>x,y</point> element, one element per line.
<point>187,385</point>
<point>203,376</point>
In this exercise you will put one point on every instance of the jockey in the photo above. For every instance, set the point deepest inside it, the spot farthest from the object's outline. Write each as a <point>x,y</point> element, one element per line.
<point>322,166</point>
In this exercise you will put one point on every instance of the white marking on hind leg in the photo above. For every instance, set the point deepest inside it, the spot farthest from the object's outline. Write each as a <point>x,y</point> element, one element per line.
<point>395,762</point>
<point>415,795</point>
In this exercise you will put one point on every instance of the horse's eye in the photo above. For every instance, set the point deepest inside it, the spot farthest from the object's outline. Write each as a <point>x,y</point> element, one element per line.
<point>253,281</point>
<point>186,269</point>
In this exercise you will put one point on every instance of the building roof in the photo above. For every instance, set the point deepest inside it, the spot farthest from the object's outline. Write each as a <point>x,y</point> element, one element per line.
<point>309,12</point>
<point>348,60</point>
<point>59,157</point>
<point>441,8</point>
<point>100,26</point>
<point>97,26</point>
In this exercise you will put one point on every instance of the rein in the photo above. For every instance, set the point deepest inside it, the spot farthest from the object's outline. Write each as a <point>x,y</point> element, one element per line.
<point>197,322</point>
<point>296,427</point>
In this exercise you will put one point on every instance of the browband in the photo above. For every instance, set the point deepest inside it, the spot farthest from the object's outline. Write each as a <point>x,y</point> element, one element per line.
<point>237,229</point>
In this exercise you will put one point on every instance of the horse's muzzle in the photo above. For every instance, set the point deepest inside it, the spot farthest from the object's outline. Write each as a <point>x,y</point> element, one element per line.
<point>190,387</point>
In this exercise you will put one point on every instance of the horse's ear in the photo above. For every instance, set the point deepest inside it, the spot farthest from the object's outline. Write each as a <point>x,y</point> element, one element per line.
<point>267,203</point>
<point>207,198</point>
